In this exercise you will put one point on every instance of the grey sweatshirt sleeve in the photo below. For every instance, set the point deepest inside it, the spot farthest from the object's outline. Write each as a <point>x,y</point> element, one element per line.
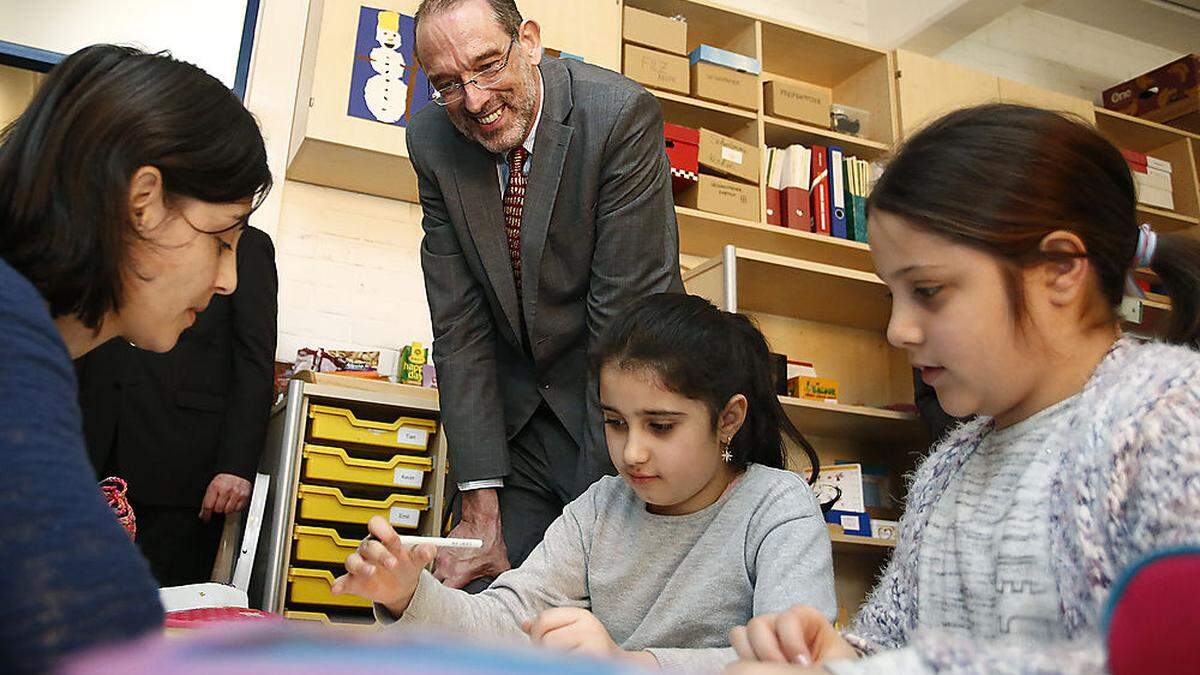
<point>552,576</point>
<point>788,553</point>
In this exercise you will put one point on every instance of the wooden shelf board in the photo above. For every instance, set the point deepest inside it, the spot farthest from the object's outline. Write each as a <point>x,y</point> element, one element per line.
<point>849,543</point>
<point>779,132</point>
<point>853,422</point>
<point>1163,220</point>
<point>813,57</point>
<point>1134,133</point>
<point>812,291</point>
<point>746,115</point>
<point>705,234</point>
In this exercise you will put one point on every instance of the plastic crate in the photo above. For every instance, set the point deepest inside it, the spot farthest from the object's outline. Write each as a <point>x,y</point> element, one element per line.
<point>335,465</point>
<point>311,587</point>
<point>322,544</point>
<point>320,502</point>
<point>338,424</point>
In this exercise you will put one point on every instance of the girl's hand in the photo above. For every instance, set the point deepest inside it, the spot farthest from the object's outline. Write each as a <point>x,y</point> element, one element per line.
<point>801,635</point>
<point>571,629</point>
<point>383,570</point>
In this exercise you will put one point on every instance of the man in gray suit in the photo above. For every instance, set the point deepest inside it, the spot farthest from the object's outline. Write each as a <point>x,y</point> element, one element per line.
<point>547,206</point>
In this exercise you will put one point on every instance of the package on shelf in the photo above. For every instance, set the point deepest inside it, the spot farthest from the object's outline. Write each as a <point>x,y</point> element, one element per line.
<point>683,154</point>
<point>877,487</point>
<point>1169,94</point>
<point>885,529</point>
<point>724,77</point>
<point>849,120</point>
<point>799,101</point>
<point>341,361</point>
<point>728,156</point>
<point>845,481</point>
<point>410,367</point>
<point>668,34</point>
<point>721,196</point>
<point>658,70</point>
<point>853,523</point>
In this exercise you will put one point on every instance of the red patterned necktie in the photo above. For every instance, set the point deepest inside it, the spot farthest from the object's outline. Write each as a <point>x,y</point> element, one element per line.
<point>514,202</point>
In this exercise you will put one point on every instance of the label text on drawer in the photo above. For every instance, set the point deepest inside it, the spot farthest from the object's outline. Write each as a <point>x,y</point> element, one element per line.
<point>402,517</point>
<point>412,436</point>
<point>408,477</point>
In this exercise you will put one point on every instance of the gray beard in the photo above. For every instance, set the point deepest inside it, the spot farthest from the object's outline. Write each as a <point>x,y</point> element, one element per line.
<point>521,101</point>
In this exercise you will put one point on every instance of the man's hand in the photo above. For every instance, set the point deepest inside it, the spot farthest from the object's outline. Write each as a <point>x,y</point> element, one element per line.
<point>457,567</point>
<point>226,493</point>
<point>383,570</point>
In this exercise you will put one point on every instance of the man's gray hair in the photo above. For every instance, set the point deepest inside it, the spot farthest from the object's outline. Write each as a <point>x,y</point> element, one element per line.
<point>504,11</point>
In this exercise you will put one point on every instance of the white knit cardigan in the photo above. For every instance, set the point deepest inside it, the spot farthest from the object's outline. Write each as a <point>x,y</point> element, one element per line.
<point>1128,483</point>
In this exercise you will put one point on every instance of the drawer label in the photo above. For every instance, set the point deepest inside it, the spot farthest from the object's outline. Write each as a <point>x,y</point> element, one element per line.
<point>408,477</point>
<point>408,436</point>
<point>402,517</point>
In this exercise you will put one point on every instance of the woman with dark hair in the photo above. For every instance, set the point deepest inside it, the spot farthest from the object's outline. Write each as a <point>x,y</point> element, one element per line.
<point>124,187</point>
<point>1007,236</point>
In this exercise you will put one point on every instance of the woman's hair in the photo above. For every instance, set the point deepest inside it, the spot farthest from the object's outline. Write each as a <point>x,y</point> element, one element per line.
<point>1001,177</point>
<point>66,164</point>
<point>708,355</point>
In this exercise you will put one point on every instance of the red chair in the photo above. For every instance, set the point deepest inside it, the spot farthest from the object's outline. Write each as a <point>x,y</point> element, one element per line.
<point>1152,618</point>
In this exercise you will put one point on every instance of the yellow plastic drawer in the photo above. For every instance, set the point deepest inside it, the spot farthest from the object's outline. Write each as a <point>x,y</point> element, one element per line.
<point>338,424</point>
<point>311,587</point>
<point>322,617</point>
<point>322,544</point>
<point>333,464</point>
<point>319,502</point>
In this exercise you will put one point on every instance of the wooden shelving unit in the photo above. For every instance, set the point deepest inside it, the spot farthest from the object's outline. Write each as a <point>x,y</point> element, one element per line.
<point>1180,148</point>
<point>854,422</point>
<point>849,543</point>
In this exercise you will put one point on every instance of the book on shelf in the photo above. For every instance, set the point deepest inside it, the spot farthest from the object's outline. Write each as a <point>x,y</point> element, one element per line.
<point>794,196</point>
<point>819,190</point>
<point>774,172</point>
<point>837,193</point>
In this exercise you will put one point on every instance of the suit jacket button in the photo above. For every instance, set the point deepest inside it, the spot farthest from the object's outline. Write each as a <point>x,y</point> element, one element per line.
<point>545,385</point>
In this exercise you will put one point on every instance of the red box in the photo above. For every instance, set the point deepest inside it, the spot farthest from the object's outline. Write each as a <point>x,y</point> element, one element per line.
<point>683,152</point>
<point>1167,94</point>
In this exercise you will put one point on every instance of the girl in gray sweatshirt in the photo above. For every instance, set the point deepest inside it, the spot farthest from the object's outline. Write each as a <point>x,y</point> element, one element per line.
<point>701,530</point>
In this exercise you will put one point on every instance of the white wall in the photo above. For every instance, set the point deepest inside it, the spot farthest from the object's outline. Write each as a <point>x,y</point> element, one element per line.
<point>1055,53</point>
<point>207,34</point>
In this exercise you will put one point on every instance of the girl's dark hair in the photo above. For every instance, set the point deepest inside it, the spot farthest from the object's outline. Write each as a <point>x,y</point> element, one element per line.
<point>66,163</point>
<point>1001,177</point>
<point>707,355</point>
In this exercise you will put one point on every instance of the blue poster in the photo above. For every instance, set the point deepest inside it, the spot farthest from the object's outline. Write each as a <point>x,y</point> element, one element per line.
<point>386,84</point>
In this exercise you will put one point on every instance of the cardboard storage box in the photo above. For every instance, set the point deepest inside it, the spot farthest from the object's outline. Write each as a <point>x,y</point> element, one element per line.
<point>654,30</point>
<point>724,77</point>
<point>1170,94</point>
<point>724,197</point>
<point>656,69</point>
<point>722,85</point>
<point>729,156</point>
<point>800,101</point>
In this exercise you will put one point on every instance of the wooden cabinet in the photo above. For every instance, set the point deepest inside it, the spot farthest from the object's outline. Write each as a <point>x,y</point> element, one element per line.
<point>330,146</point>
<point>928,88</point>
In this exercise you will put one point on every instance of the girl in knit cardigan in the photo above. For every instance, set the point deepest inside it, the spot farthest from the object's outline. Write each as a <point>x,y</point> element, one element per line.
<point>1007,236</point>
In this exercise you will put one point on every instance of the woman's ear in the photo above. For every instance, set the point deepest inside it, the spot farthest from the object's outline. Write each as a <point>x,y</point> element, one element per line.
<point>147,208</point>
<point>731,417</point>
<point>1065,278</point>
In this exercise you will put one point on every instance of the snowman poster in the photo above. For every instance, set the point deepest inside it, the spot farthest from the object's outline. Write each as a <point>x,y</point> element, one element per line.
<point>386,85</point>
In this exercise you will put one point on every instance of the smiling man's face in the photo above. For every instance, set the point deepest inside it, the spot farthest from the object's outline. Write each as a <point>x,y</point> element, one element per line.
<point>465,40</point>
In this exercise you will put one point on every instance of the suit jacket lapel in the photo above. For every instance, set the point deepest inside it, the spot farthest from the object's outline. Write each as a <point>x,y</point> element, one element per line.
<point>549,154</point>
<point>479,192</point>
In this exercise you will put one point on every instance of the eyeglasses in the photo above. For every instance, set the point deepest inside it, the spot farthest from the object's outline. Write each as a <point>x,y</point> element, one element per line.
<point>453,93</point>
